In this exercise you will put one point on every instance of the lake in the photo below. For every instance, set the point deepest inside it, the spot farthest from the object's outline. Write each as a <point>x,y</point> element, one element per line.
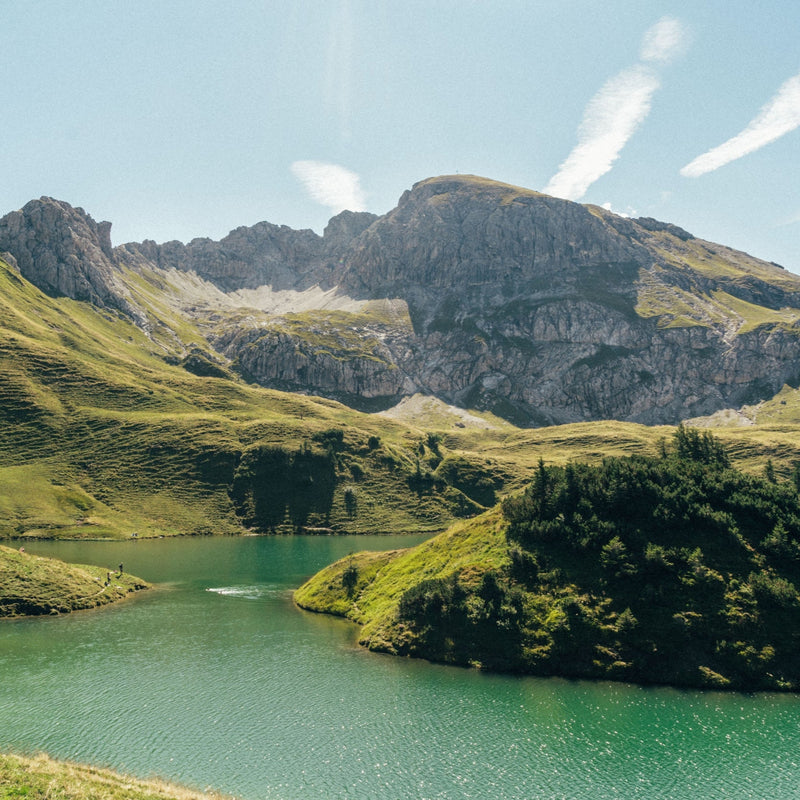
<point>216,679</point>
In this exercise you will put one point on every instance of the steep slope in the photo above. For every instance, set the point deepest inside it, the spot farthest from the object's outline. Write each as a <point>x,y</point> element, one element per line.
<point>126,408</point>
<point>545,311</point>
<point>107,431</point>
<point>64,252</point>
<point>537,309</point>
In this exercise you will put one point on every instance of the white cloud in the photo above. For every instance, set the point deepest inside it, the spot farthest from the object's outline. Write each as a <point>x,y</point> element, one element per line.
<point>616,111</point>
<point>331,185</point>
<point>793,219</point>
<point>778,117</point>
<point>664,41</point>
<point>629,213</point>
<point>610,119</point>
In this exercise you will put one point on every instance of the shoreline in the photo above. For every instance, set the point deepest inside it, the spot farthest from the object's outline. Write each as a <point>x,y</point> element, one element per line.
<point>37,586</point>
<point>39,776</point>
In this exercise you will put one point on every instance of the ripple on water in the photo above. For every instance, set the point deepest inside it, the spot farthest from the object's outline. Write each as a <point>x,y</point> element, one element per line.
<point>255,592</point>
<point>222,681</point>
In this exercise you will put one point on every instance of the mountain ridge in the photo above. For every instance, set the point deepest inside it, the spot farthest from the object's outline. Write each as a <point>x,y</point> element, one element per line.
<point>499,298</point>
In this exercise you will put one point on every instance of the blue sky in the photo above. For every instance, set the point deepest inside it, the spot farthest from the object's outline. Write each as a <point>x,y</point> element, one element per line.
<point>182,119</point>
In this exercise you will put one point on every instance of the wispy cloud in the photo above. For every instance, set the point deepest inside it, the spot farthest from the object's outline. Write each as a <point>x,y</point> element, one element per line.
<point>331,185</point>
<point>664,41</point>
<point>777,118</point>
<point>616,111</point>
<point>792,219</point>
<point>610,119</point>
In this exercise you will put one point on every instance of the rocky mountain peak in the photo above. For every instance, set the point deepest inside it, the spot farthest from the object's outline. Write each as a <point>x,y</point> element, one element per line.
<point>345,226</point>
<point>456,234</point>
<point>63,251</point>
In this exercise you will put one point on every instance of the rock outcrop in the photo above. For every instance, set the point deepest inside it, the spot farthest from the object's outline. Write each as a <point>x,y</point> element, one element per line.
<point>546,311</point>
<point>64,252</point>
<point>261,255</point>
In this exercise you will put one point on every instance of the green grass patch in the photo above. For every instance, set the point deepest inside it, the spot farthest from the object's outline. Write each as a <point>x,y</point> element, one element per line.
<point>33,585</point>
<point>40,777</point>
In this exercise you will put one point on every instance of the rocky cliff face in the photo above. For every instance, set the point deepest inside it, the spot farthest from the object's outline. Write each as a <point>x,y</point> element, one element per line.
<point>262,255</point>
<point>65,252</point>
<point>538,309</point>
<point>547,311</point>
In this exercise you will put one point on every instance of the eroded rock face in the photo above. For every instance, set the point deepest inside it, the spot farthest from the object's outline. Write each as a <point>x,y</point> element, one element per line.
<point>530,306</point>
<point>539,309</point>
<point>63,251</point>
<point>351,363</point>
<point>262,255</point>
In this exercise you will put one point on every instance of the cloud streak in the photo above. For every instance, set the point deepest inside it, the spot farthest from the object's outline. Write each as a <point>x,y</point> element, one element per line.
<point>779,116</point>
<point>616,111</point>
<point>610,119</point>
<point>331,185</point>
<point>663,41</point>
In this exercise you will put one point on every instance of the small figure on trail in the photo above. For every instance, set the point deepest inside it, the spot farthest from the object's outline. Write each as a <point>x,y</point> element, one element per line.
<point>108,578</point>
<point>120,568</point>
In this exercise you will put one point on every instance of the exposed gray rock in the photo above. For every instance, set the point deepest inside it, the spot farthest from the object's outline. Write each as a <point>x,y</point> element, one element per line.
<point>64,252</point>
<point>261,255</point>
<point>10,260</point>
<point>344,227</point>
<point>347,363</point>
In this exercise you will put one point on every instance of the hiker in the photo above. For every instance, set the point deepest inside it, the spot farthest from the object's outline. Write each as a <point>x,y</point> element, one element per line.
<point>120,568</point>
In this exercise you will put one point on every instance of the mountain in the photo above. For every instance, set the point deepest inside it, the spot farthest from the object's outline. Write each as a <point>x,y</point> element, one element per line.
<point>481,294</point>
<point>152,390</point>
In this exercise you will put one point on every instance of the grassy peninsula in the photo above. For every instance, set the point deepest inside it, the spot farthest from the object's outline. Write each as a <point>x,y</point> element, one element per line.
<point>43,778</point>
<point>675,568</point>
<point>33,585</point>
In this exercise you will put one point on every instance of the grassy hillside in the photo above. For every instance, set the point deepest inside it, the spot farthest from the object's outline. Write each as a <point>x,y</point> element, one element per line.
<point>43,778</point>
<point>367,587</point>
<point>675,568</point>
<point>31,585</point>
<point>108,430</point>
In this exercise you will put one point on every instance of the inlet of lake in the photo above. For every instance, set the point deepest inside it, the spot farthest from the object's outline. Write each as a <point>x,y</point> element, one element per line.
<point>216,679</point>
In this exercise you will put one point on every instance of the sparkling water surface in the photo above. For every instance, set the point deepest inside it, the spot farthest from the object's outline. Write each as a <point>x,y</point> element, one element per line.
<point>216,679</point>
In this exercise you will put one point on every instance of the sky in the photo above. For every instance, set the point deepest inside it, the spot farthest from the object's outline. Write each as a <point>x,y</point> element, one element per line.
<point>175,120</point>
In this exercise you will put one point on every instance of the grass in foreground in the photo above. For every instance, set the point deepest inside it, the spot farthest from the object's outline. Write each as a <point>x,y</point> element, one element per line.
<point>43,778</point>
<point>32,585</point>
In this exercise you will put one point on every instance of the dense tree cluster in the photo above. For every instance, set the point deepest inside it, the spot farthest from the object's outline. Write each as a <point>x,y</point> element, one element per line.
<point>466,624</point>
<point>676,569</point>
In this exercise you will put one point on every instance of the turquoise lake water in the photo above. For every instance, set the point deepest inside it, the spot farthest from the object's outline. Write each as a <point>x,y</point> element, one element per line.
<point>217,680</point>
